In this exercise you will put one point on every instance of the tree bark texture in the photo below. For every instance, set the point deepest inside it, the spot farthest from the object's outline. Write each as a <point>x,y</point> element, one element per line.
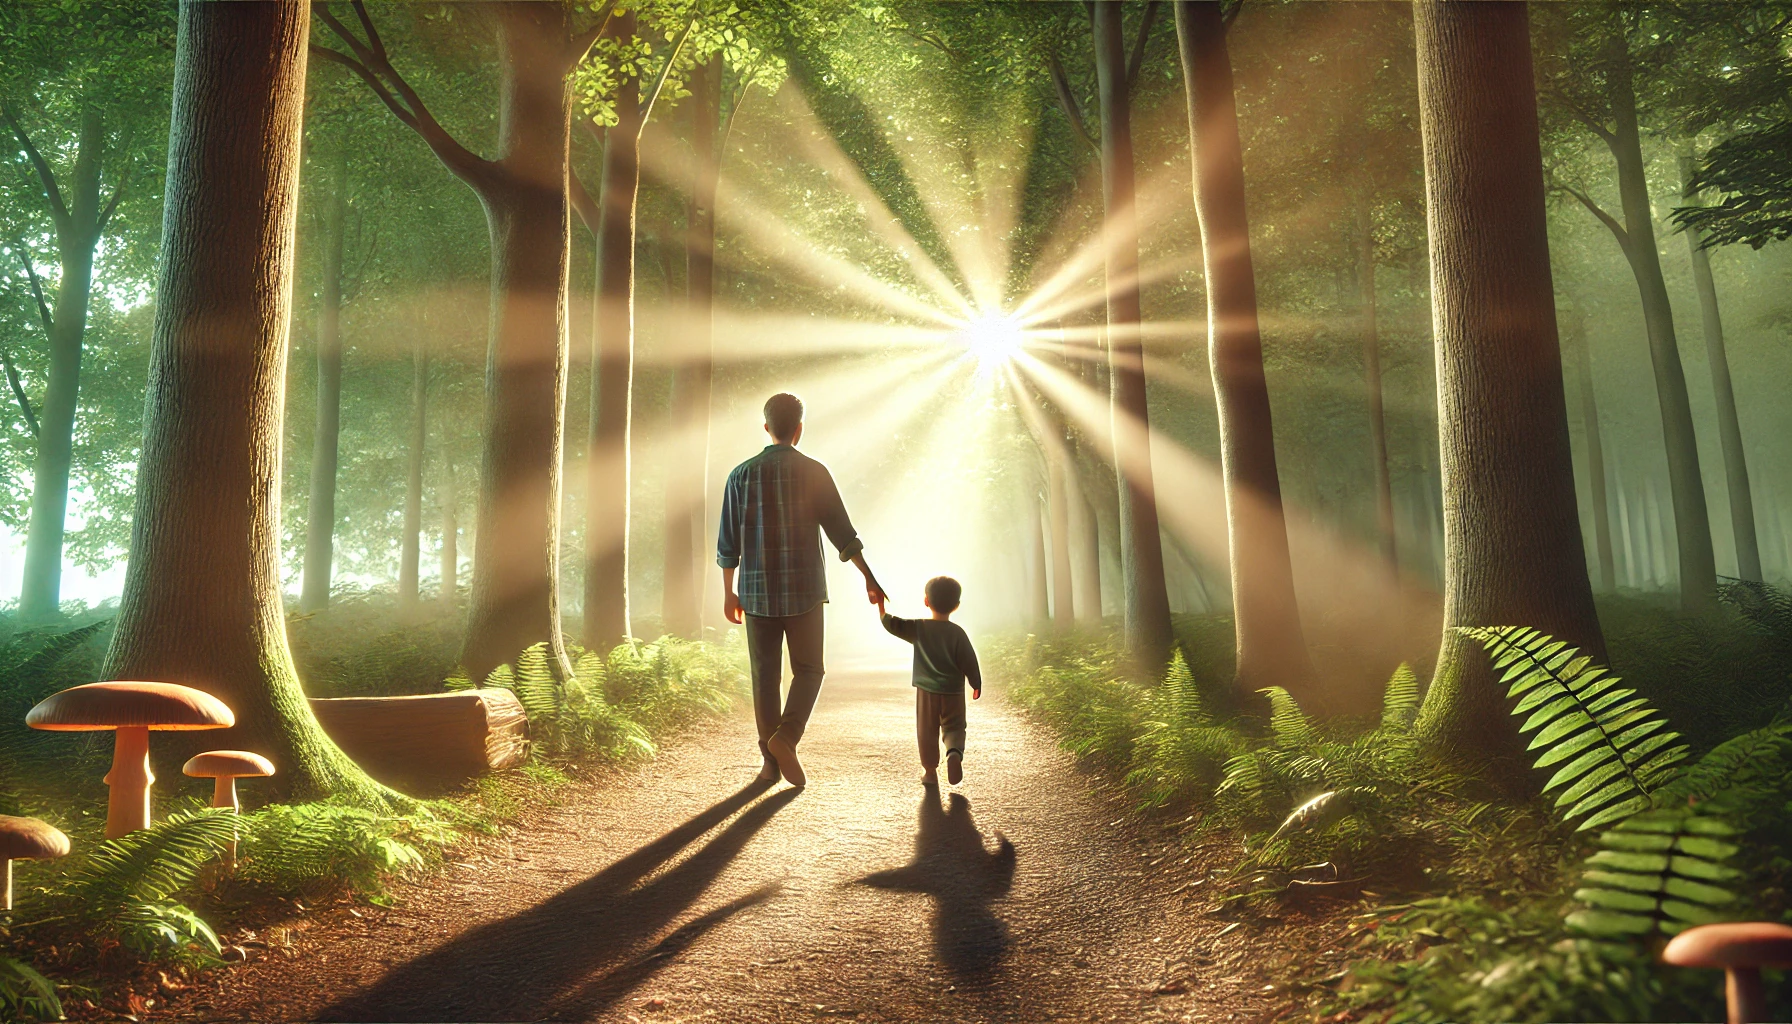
<point>320,518</point>
<point>693,384</point>
<point>1271,644</point>
<point>1589,413</point>
<point>1692,521</point>
<point>1378,426</point>
<point>1512,541</point>
<point>514,598</point>
<point>410,546</point>
<point>79,222</point>
<point>612,381</point>
<point>1729,427</point>
<point>202,602</point>
<point>1146,597</point>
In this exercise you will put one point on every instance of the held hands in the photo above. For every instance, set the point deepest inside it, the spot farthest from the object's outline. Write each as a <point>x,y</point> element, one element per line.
<point>976,694</point>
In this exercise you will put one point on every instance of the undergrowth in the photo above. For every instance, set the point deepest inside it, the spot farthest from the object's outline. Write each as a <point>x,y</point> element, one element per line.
<point>1474,906</point>
<point>161,896</point>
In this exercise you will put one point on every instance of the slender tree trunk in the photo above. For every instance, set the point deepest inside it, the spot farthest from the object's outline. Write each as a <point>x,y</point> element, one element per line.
<point>1147,600</point>
<point>693,382</point>
<point>1058,509</point>
<point>1038,584</point>
<point>1085,548</point>
<point>320,519</point>
<point>410,549</point>
<point>1692,523</point>
<point>1378,428</point>
<point>1589,414</point>
<point>1272,647</point>
<point>450,535</point>
<point>1729,427</point>
<point>202,594</point>
<point>1512,539</point>
<point>514,598</point>
<point>612,380</point>
<point>40,592</point>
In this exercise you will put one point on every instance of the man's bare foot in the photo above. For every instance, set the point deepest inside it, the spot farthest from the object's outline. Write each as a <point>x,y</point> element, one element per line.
<point>955,767</point>
<point>931,780</point>
<point>787,762</point>
<point>769,773</point>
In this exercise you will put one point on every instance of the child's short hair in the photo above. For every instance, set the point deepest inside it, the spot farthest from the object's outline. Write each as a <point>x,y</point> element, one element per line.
<point>943,593</point>
<point>783,414</point>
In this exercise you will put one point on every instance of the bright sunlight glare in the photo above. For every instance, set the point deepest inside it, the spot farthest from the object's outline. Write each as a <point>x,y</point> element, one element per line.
<point>994,338</point>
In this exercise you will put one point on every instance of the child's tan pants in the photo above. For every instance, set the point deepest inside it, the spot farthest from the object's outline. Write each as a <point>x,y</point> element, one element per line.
<point>938,715</point>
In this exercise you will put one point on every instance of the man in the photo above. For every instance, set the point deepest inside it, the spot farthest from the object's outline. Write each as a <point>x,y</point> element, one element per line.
<point>774,509</point>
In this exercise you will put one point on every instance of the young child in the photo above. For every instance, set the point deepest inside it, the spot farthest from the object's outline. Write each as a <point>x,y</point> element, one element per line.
<point>944,660</point>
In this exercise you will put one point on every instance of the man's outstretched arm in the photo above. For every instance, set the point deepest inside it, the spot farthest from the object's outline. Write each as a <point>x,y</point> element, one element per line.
<point>831,512</point>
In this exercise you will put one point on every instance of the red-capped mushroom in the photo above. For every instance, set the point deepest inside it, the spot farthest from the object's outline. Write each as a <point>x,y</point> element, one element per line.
<point>1740,949</point>
<point>132,709</point>
<point>224,767</point>
<point>26,839</point>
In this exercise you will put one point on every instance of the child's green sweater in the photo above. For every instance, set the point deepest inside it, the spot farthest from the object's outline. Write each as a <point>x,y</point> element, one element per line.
<point>944,657</point>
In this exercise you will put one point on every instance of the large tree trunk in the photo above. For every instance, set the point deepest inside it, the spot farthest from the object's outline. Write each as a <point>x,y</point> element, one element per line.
<point>694,383</point>
<point>320,518</point>
<point>1378,427</point>
<point>1729,428</point>
<point>1271,645</point>
<point>1692,521</point>
<point>1146,598</point>
<point>514,598</point>
<point>77,234</point>
<point>1512,540</point>
<point>410,545</point>
<point>1589,413</point>
<point>201,598</point>
<point>612,379</point>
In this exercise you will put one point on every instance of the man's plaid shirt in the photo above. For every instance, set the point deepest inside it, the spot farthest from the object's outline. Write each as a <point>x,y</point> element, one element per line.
<point>773,508</point>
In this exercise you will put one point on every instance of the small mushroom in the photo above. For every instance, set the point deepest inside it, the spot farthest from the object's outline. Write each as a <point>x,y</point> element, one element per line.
<point>26,839</point>
<point>133,710</point>
<point>224,767</point>
<point>1741,949</point>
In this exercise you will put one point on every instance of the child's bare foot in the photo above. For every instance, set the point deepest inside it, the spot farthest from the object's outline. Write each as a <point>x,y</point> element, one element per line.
<point>955,767</point>
<point>931,779</point>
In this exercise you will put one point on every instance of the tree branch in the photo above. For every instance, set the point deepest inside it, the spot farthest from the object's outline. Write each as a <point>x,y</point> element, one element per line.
<point>37,285</point>
<point>746,87</point>
<point>58,209</point>
<point>18,392</point>
<point>371,64</point>
<point>659,82</point>
<point>1230,16</point>
<point>105,217</point>
<point>1137,61</point>
<point>1579,113</point>
<point>580,44</point>
<point>1067,100</point>
<point>1607,219</point>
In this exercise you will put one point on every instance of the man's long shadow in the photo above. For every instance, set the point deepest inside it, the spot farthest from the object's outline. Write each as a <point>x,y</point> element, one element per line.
<point>952,865</point>
<point>564,956</point>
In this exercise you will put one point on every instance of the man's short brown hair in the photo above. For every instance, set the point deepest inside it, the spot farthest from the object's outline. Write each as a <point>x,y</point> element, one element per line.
<point>783,414</point>
<point>943,593</point>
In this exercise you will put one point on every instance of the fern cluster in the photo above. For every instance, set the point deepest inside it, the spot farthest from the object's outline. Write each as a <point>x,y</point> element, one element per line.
<point>296,847</point>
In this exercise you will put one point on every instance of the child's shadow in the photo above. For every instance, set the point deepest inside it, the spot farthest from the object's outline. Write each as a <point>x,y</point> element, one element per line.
<point>952,866</point>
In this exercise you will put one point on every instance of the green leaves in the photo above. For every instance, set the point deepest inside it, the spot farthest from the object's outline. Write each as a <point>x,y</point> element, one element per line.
<point>1617,748</point>
<point>1400,701</point>
<point>25,994</point>
<point>1657,872</point>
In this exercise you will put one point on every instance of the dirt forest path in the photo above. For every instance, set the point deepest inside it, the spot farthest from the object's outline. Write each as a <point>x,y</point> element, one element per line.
<point>673,893</point>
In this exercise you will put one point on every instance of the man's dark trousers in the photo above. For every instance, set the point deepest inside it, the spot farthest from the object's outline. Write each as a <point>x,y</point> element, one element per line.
<point>766,638</point>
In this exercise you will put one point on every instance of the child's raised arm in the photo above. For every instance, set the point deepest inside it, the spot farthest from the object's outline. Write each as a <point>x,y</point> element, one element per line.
<point>901,629</point>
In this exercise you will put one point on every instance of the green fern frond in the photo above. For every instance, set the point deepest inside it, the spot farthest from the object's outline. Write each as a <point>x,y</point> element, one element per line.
<point>1289,724</point>
<point>1617,748</point>
<point>1755,760</point>
<point>149,865</point>
<point>1657,871</point>
<point>1400,701</point>
<point>26,994</point>
<point>1180,695</point>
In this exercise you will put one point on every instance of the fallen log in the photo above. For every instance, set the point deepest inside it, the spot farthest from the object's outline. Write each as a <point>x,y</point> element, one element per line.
<point>432,736</point>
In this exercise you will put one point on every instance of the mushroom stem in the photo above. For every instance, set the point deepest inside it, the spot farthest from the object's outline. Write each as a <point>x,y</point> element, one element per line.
<point>224,795</point>
<point>130,777</point>
<point>6,876</point>
<point>1742,992</point>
